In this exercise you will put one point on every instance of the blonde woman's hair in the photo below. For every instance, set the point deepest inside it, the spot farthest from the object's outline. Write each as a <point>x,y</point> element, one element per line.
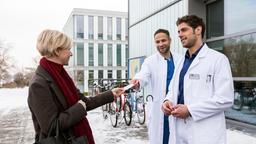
<point>50,41</point>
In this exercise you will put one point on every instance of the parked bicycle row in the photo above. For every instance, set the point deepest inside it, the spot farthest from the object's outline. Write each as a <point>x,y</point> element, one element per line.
<point>129,107</point>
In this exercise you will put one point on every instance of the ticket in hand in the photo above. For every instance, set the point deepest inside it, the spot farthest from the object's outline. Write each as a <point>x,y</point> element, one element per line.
<point>128,87</point>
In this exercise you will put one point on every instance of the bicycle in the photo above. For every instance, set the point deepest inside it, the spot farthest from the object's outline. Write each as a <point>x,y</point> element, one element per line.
<point>120,104</point>
<point>138,105</point>
<point>97,88</point>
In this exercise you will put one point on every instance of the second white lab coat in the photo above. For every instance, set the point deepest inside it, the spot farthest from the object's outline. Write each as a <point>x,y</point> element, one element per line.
<point>154,72</point>
<point>208,91</point>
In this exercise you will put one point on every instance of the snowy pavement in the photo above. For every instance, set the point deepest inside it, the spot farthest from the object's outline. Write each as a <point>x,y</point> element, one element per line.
<point>16,126</point>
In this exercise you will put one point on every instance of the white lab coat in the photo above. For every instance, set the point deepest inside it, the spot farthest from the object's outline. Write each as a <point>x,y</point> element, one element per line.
<point>153,72</point>
<point>208,91</point>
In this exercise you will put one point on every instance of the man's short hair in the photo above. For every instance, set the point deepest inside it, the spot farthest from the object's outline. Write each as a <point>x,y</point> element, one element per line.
<point>50,41</point>
<point>162,31</point>
<point>193,21</point>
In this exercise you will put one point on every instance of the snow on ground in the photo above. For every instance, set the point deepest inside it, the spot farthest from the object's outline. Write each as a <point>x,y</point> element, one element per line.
<point>16,126</point>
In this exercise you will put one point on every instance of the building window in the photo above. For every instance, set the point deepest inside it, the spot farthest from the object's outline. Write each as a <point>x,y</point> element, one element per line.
<point>126,74</point>
<point>109,25</point>
<point>90,27</point>
<point>110,55</point>
<point>80,26</point>
<point>90,78</point>
<point>91,74</point>
<point>126,29</point>
<point>118,28</point>
<point>100,27</point>
<point>100,74</point>
<point>126,54</point>
<point>110,76</point>
<point>118,55</point>
<point>241,52</point>
<point>119,74</point>
<point>80,80</point>
<point>80,53</point>
<point>80,76</point>
<point>100,54</point>
<point>239,15</point>
<point>215,19</point>
<point>91,55</point>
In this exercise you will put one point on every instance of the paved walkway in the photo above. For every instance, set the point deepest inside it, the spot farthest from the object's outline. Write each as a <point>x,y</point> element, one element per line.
<point>16,128</point>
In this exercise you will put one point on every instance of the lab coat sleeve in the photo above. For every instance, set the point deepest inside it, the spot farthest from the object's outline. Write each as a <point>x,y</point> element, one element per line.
<point>223,94</point>
<point>169,95</point>
<point>145,74</point>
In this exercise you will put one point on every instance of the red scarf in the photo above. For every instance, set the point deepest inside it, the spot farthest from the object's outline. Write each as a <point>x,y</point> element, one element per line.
<point>67,86</point>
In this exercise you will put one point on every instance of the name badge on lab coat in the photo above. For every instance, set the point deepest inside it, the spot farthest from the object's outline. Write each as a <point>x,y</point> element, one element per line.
<point>194,76</point>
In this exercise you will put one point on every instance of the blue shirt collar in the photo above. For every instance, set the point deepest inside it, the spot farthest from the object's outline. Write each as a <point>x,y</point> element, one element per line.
<point>194,54</point>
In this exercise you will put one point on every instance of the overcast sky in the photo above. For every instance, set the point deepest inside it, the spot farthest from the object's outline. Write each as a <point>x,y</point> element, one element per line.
<point>23,20</point>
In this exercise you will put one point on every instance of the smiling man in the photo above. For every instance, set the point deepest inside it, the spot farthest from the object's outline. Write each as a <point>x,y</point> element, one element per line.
<point>202,89</point>
<point>157,71</point>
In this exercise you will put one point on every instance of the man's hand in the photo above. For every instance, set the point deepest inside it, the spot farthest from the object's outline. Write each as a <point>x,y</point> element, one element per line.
<point>167,107</point>
<point>136,83</point>
<point>180,111</point>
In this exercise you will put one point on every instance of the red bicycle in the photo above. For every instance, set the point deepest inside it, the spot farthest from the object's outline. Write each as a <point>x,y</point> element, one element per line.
<point>120,107</point>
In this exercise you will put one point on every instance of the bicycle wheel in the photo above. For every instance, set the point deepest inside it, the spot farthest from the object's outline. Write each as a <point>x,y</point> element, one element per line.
<point>141,110</point>
<point>114,111</point>
<point>238,101</point>
<point>127,113</point>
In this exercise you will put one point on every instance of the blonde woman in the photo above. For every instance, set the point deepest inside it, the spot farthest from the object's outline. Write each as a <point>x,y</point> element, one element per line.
<point>52,93</point>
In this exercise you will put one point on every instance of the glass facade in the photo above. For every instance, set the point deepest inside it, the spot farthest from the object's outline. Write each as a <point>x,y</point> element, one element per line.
<point>118,29</point>
<point>239,15</point>
<point>80,53</point>
<point>224,17</point>
<point>91,55</point>
<point>118,55</point>
<point>215,19</point>
<point>79,26</point>
<point>100,54</point>
<point>110,28</point>
<point>110,55</point>
<point>90,27</point>
<point>98,51</point>
<point>234,39</point>
<point>100,27</point>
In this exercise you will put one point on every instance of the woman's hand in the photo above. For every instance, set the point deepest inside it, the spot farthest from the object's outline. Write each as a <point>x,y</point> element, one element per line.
<point>117,92</point>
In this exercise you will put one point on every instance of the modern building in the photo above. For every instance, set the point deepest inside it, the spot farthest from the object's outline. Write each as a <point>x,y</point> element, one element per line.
<point>230,29</point>
<point>100,45</point>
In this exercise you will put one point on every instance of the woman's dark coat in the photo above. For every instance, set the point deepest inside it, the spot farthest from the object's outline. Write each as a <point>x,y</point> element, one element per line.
<point>46,102</point>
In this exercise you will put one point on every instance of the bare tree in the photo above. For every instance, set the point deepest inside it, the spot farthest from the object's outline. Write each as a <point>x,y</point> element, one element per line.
<point>5,64</point>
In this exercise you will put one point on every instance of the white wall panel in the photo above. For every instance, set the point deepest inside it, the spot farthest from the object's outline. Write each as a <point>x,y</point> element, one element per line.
<point>86,54</point>
<point>141,35</point>
<point>140,9</point>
